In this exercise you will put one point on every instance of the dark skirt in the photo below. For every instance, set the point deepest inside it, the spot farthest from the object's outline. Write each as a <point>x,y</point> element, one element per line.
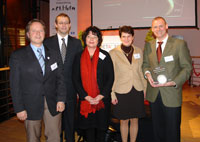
<point>130,105</point>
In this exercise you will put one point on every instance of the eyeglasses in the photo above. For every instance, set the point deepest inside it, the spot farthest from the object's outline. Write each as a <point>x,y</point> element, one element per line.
<point>63,23</point>
<point>92,37</point>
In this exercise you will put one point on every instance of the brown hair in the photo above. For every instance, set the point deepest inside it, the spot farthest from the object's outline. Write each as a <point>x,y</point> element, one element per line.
<point>31,22</point>
<point>95,31</point>
<point>126,29</point>
<point>62,15</point>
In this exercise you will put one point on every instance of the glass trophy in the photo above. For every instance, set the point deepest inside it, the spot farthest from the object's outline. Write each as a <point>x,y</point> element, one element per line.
<point>160,75</point>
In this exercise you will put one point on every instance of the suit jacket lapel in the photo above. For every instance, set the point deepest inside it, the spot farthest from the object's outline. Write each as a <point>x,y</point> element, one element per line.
<point>47,63</point>
<point>56,42</point>
<point>55,45</point>
<point>69,47</point>
<point>122,56</point>
<point>153,48</point>
<point>34,61</point>
<point>99,61</point>
<point>134,52</point>
<point>167,49</point>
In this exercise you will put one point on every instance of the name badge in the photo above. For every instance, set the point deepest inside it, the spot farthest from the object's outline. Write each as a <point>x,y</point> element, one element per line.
<point>169,58</point>
<point>54,66</point>
<point>102,56</point>
<point>136,56</point>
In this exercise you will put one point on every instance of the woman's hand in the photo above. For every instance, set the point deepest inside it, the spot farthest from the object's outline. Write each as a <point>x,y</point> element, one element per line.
<point>99,97</point>
<point>94,101</point>
<point>114,101</point>
<point>91,100</point>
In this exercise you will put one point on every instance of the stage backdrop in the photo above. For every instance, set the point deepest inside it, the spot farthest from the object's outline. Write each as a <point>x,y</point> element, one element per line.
<point>111,14</point>
<point>63,6</point>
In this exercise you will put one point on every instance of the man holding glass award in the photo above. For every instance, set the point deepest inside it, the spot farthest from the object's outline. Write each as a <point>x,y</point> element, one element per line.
<point>166,65</point>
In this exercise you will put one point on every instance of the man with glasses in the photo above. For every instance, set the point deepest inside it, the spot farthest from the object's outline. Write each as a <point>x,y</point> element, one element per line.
<point>66,47</point>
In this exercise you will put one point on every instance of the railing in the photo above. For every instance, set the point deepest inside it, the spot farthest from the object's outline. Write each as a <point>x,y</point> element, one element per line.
<point>195,75</point>
<point>6,106</point>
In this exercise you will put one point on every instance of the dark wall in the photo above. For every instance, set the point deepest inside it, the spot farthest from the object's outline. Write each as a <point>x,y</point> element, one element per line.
<point>2,23</point>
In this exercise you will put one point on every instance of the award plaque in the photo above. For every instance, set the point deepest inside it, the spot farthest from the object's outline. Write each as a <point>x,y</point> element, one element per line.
<point>160,75</point>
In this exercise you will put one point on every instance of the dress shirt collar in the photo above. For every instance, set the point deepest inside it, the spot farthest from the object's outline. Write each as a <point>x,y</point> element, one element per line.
<point>60,40</point>
<point>34,48</point>
<point>164,43</point>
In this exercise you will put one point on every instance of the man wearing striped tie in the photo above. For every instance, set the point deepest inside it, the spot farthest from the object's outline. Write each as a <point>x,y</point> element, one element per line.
<point>37,85</point>
<point>66,47</point>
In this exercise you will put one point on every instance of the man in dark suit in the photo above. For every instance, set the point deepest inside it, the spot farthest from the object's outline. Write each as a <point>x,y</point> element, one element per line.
<point>72,46</point>
<point>173,60</point>
<point>37,85</point>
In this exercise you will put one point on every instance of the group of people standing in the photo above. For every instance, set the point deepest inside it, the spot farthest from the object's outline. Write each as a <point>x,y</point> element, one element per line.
<point>84,81</point>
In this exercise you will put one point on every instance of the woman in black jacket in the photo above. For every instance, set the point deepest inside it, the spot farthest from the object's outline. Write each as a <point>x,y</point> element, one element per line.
<point>93,78</point>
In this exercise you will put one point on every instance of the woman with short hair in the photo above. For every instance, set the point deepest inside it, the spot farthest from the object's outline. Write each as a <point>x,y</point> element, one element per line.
<point>93,78</point>
<point>129,84</point>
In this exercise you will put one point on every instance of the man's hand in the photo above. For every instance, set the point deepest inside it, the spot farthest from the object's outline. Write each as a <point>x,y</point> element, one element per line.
<point>60,106</point>
<point>150,79</point>
<point>156,84</point>
<point>22,115</point>
<point>167,84</point>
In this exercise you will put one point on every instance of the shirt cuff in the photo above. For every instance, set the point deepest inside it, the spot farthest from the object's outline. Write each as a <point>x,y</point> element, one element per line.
<point>146,73</point>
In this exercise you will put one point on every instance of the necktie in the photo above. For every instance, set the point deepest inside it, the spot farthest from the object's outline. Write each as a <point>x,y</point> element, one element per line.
<point>63,50</point>
<point>159,51</point>
<point>41,60</point>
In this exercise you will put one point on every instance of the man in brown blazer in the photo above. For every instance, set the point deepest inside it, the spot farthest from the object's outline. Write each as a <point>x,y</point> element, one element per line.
<point>166,98</point>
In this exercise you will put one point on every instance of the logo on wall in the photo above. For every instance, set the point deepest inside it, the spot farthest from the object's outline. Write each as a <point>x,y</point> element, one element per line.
<point>63,6</point>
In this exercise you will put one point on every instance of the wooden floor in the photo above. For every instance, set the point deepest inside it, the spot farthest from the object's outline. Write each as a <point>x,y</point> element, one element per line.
<point>13,130</point>
<point>190,125</point>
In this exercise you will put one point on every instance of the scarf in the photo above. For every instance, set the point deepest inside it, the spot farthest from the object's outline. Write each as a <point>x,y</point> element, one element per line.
<point>88,71</point>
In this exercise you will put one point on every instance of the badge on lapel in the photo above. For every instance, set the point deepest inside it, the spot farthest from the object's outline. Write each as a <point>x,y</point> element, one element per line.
<point>136,56</point>
<point>102,56</point>
<point>54,66</point>
<point>169,58</point>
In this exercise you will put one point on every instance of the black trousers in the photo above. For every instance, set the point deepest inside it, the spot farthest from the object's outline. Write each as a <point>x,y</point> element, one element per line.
<point>95,135</point>
<point>166,121</point>
<point>68,121</point>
